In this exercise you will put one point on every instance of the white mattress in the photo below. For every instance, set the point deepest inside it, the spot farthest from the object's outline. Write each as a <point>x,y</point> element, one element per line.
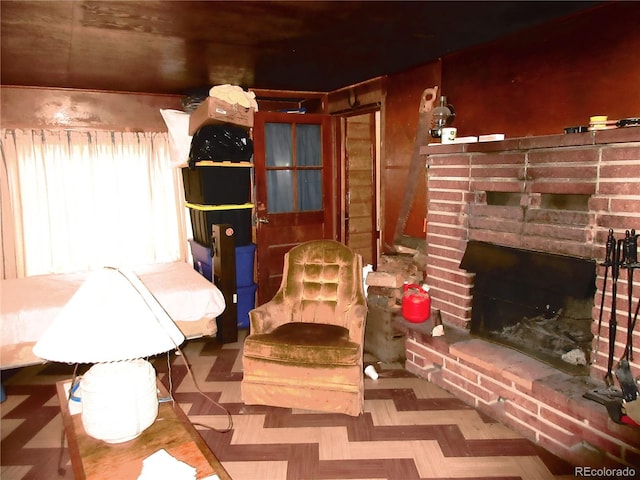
<point>29,305</point>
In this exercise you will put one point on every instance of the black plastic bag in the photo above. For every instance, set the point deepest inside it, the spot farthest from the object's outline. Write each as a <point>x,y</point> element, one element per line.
<point>220,143</point>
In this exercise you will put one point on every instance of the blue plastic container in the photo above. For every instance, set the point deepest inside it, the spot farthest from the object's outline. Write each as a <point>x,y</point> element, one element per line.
<point>244,265</point>
<point>202,260</point>
<point>246,302</point>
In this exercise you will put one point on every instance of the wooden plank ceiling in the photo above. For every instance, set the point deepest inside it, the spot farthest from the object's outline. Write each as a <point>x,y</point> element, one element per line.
<point>175,46</point>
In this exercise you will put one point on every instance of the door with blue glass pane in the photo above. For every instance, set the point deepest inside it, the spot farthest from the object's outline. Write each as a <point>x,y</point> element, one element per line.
<point>294,179</point>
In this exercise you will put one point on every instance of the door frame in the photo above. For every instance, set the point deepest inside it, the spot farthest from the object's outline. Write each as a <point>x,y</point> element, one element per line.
<point>342,176</point>
<point>270,260</point>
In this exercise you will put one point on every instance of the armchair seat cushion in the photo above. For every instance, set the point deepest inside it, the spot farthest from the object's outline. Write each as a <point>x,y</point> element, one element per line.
<point>304,343</point>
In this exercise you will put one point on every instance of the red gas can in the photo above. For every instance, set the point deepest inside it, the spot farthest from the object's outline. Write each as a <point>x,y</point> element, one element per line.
<point>416,303</point>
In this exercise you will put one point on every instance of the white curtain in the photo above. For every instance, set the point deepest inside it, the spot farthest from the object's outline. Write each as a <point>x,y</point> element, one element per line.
<point>80,200</point>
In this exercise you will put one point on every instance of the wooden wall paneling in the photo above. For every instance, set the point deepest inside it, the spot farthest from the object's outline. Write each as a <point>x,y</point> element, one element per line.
<point>282,100</point>
<point>357,99</point>
<point>35,107</point>
<point>542,80</point>
<point>360,164</point>
<point>403,94</point>
<point>360,97</point>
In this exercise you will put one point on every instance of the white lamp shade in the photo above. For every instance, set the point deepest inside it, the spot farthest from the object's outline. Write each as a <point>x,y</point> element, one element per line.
<point>111,317</point>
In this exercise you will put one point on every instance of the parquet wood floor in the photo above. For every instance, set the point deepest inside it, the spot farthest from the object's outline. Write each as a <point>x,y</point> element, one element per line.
<point>411,429</point>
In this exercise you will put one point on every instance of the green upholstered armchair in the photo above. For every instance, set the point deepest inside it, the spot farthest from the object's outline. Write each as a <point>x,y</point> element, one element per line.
<point>305,349</point>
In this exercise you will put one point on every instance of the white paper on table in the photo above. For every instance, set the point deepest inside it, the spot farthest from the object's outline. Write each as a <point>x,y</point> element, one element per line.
<point>162,466</point>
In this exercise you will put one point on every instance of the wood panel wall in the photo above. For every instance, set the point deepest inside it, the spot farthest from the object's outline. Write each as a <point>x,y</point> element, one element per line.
<point>540,81</point>
<point>403,94</point>
<point>536,82</point>
<point>34,107</point>
<point>360,138</point>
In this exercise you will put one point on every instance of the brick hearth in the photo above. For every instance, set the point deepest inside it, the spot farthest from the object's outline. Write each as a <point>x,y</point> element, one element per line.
<point>602,169</point>
<point>540,402</point>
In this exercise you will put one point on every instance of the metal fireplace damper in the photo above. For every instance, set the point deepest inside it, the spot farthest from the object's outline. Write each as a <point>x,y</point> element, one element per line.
<point>535,302</point>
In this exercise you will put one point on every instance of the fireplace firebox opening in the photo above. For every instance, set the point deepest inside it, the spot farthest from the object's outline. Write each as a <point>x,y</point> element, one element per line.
<point>535,302</point>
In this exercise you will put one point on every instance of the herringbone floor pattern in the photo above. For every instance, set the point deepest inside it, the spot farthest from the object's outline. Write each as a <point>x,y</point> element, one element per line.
<point>411,429</point>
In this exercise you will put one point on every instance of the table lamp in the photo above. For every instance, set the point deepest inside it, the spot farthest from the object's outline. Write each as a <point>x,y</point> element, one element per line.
<point>113,322</point>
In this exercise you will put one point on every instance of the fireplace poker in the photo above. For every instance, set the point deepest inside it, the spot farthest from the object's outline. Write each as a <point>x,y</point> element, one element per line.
<point>623,371</point>
<point>610,247</point>
<point>630,263</point>
<point>633,327</point>
<point>613,322</point>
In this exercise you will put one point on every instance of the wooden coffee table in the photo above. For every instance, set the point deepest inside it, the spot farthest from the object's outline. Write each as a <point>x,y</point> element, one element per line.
<point>172,431</point>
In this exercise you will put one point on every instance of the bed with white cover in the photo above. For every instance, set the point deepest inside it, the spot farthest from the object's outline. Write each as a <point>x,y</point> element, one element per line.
<point>29,305</point>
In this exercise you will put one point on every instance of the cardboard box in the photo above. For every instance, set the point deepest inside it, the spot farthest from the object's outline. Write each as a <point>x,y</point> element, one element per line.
<point>215,111</point>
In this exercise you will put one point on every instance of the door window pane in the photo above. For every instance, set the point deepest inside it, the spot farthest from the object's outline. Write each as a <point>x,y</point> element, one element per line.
<point>280,191</point>
<point>308,146</point>
<point>279,141</point>
<point>294,167</point>
<point>309,190</point>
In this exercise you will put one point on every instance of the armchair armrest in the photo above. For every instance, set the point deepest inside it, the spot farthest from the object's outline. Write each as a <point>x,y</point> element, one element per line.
<point>270,315</point>
<point>357,317</point>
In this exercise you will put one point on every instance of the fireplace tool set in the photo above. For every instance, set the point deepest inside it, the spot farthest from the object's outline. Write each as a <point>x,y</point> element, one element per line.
<point>623,404</point>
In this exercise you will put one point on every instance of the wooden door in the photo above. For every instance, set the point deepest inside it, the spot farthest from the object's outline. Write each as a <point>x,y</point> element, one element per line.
<point>294,189</point>
<point>360,154</point>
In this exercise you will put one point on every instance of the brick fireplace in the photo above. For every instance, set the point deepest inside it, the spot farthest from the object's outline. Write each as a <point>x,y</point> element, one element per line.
<point>558,195</point>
